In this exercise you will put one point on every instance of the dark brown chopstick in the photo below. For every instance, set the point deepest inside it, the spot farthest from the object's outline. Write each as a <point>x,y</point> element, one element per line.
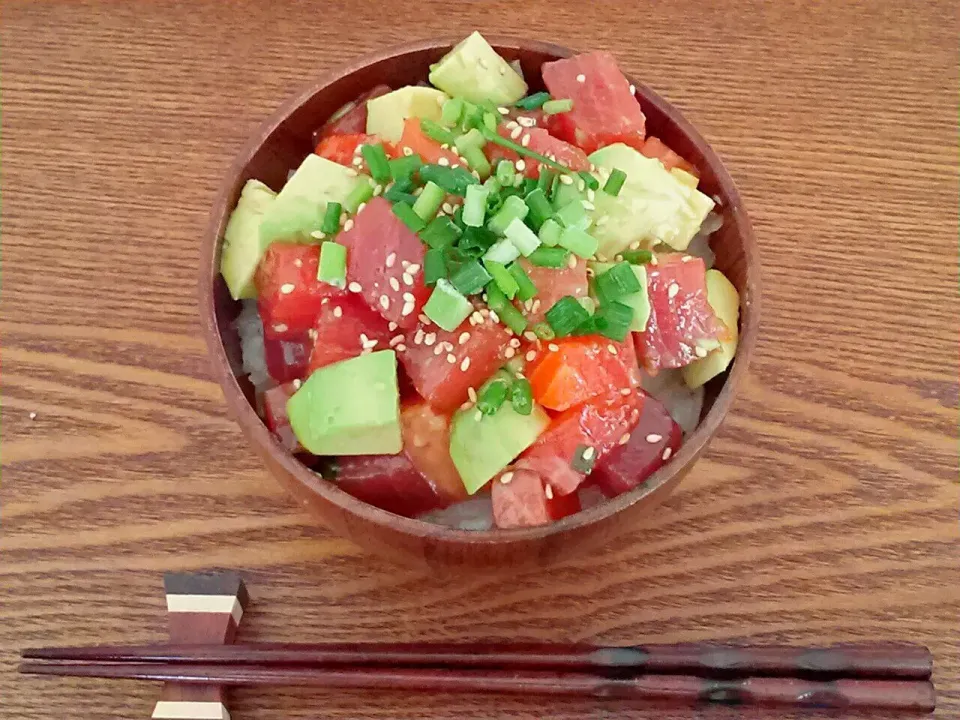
<point>890,661</point>
<point>917,696</point>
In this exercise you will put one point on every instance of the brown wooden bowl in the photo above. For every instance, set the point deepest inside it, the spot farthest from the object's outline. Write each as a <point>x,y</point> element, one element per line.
<point>280,145</point>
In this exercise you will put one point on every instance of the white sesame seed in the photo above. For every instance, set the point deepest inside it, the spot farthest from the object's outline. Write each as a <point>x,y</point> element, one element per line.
<point>581,185</point>
<point>511,124</point>
<point>358,161</point>
<point>33,416</point>
<point>472,394</point>
<point>418,338</point>
<point>312,334</point>
<point>673,290</point>
<point>338,311</point>
<point>370,344</point>
<point>392,325</point>
<point>506,478</point>
<point>525,140</point>
<point>635,245</point>
<point>529,335</point>
<point>317,235</point>
<point>701,352</point>
<point>527,122</point>
<point>654,438</point>
<point>407,279</point>
<point>394,284</point>
<point>407,309</point>
<point>479,416</point>
<point>624,439</point>
<point>667,452</point>
<point>438,350</point>
<point>521,165</point>
<point>355,287</point>
<point>509,353</point>
<point>553,347</point>
<point>572,261</point>
<point>625,391</point>
<point>396,340</point>
<point>280,327</point>
<point>408,151</point>
<point>348,225</point>
<point>633,89</point>
<point>465,364</point>
<point>448,208</point>
<point>298,262</point>
<point>581,78</point>
<point>518,376</point>
<point>686,258</point>
<point>429,339</point>
<point>287,288</point>
<point>515,133</point>
<point>391,259</point>
<point>451,358</point>
<point>494,317</point>
<point>515,343</point>
<point>654,261</point>
<point>612,349</point>
<point>531,355</point>
<point>464,336</point>
<point>477,316</point>
<point>408,297</point>
<point>413,268</point>
<point>445,146</point>
<point>548,491</point>
<point>401,348</point>
<point>360,207</point>
<point>587,205</point>
<point>528,305</point>
<point>588,452</point>
<point>591,195</point>
<point>377,189</point>
<point>404,264</point>
<point>566,180</point>
<point>442,161</point>
<point>536,306</point>
<point>297,382</point>
<point>503,111</point>
<point>384,302</point>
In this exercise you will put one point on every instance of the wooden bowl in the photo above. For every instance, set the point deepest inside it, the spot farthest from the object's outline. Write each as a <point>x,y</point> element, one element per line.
<point>280,144</point>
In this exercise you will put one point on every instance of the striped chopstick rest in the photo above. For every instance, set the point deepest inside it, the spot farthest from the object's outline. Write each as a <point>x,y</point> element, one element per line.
<point>202,608</point>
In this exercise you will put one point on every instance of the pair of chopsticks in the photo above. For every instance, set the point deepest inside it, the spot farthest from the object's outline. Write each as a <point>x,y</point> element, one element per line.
<point>874,676</point>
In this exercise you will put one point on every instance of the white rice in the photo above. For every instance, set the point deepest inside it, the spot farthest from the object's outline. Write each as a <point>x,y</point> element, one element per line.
<point>250,329</point>
<point>683,404</point>
<point>515,64</point>
<point>473,514</point>
<point>700,244</point>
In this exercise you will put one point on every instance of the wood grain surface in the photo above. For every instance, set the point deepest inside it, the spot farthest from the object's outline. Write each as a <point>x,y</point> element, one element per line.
<point>826,509</point>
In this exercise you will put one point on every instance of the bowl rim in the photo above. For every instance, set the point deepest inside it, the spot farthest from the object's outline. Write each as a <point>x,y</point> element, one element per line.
<point>256,431</point>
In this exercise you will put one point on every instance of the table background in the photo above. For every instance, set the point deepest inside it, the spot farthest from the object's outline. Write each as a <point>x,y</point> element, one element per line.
<point>825,510</point>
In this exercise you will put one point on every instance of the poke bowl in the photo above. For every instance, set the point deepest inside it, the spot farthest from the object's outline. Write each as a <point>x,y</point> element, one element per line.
<point>481,303</point>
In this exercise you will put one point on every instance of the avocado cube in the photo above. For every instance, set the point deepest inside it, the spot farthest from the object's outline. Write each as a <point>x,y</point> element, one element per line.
<point>639,301</point>
<point>474,71</point>
<point>386,114</point>
<point>350,408</point>
<point>241,240</point>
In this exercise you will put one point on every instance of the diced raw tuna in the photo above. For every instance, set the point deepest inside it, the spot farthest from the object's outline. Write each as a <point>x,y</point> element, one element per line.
<point>442,367</point>
<point>682,325</point>
<point>552,284</point>
<point>426,441</point>
<point>342,149</point>
<point>652,442</point>
<point>526,501</point>
<point>289,294</point>
<point>342,328</point>
<point>385,263</point>
<point>579,437</point>
<point>426,147</point>
<point>354,120</point>
<point>287,360</point>
<point>275,415</point>
<point>654,147</point>
<point>604,110</point>
<point>540,141</point>
<point>390,482</point>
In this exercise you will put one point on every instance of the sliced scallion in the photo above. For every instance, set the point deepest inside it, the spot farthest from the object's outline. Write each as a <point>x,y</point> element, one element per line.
<point>532,102</point>
<point>493,137</point>
<point>451,112</point>
<point>434,267</point>
<point>550,232</point>
<point>475,206</point>
<point>377,162</point>
<point>505,172</point>
<point>436,131</point>
<point>332,268</point>
<point>447,307</point>
<point>453,180</point>
<point>492,395</point>
<point>551,257</point>
<point>540,208</point>
<point>441,233</point>
<point>473,139</point>
<point>503,251</point>
<point>572,215</point>
<point>545,180</point>
<point>331,218</point>
<point>637,257</point>
<point>502,277</point>
<point>543,331</point>
<point>513,208</point>
<point>359,195</point>
<point>552,107</point>
<point>615,182</point>
<point>613,320</point>
<point>508,314</point>
<point>525,287</point>
<point>477,161</point>
<point>404,167</point>
<point>471,278</point>
<point>617,282</point>
<point>521,397</point>
<point>429,201</point>
<point>523,237</point>
<point>405,212</point>
<point>589,180</point>
<point>566,315</point>
<point>578,242</point>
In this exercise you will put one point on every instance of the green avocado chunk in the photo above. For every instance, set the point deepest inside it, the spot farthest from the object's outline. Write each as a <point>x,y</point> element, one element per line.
<point>350,408</point>
<point>474,71</point>
<point>483,445</point>
<point>639,301</point>
<point>241,240</point>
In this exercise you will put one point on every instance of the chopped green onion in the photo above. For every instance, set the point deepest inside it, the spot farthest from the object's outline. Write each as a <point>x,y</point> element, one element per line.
<point>477,161</point>
<point>475,207</point>
<point>434,267</point>
<point>552,107</point>
<point>615,182</point>
<point>579,242</point>
<point>552,192</point>
<point>471,278</point>
<point>513,208</point>
<point>613,320</point>
<point>589,180</point>
<point>405,212</point>
<point>502,252</point>
<point>453,180</point>
<point>473,139</point>
<point>493,137</point>
<point>493,185</point>
<point>358,196</point>
<point>508,314</point>
<point>333,264</point>
<point>523,237</point>
<point>429,201</point>
<point>401,191</point>
<point>545,180</point>
<point>505,172</point>
<point>441,233</point>
<point>532,102</point>
<point>618,281</point>
<point>521,397</point>
<point>436,131</point>
<point>550,232</point>
<point>637,257</point>
<point>331,218</point>
<point>551,257</point>
<point>404,167</point>
<point>472,115</point>
<point>540,208</point>
<point>491,120</point>
<point>527,186</point>
<point>447,307</point>
<point>452,111</point>
<point>502,277</point>
<point>572,215</point>
<point>476,241</point>
<point>492,395</point>
<point>566,315</point>
<point>525,287</point>
<point>377,162</point>
<point>543,331</point>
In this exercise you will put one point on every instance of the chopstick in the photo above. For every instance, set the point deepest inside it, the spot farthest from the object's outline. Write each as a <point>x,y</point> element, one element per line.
<point>875,660</point>
<point>917,696</point>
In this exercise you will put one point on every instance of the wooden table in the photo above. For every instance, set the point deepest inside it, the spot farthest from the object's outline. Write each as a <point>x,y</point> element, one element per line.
<point>826,510</point>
